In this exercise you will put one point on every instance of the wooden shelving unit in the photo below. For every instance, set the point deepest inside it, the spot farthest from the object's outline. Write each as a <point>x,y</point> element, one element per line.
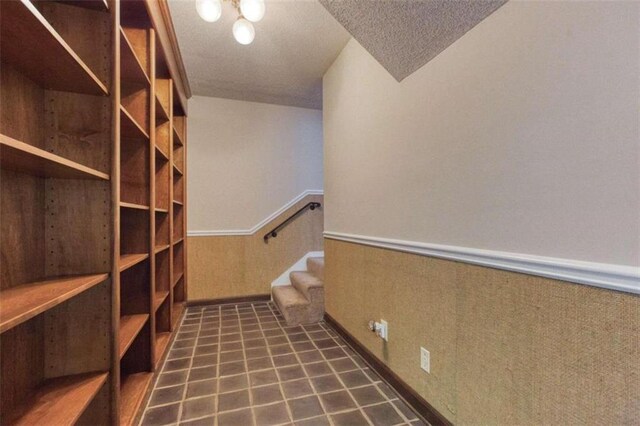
<point>90,235</point>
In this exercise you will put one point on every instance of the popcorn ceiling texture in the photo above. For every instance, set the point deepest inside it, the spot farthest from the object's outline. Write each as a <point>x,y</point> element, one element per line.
<point>295,44</point>
<point>405,35</point>
<point>506,348</point>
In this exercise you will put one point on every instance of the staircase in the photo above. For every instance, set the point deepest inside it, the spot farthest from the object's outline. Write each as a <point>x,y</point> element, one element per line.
<point>302,302</point>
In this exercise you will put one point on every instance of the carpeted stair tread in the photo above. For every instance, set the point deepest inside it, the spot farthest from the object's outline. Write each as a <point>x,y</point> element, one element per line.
<point>303,281</point>
<point>315,265</point>
<point>287,295</point>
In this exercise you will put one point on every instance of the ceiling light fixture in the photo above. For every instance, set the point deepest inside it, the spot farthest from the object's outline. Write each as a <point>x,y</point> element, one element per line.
<point>248,11</point>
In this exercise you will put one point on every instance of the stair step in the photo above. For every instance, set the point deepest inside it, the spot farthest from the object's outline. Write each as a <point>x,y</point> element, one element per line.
<point>291,303</point>
<point>315,265</point>
<point>305,283</point>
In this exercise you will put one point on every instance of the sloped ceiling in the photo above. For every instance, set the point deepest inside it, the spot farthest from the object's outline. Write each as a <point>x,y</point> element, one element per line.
<point>403,35</point>
<point>295,44</point>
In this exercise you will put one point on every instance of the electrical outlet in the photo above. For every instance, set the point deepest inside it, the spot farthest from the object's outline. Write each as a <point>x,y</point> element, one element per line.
<point>425,360</point>
<point>384,330</point>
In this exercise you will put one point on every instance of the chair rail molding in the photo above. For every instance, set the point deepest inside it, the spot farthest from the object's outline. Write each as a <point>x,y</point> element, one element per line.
<point>261,224</point>
<point>609,276</point>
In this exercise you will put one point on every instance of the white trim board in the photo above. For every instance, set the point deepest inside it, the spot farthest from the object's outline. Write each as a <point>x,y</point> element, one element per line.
<point>604,275</point>
<point>256,228</point>
<point>300,265</point>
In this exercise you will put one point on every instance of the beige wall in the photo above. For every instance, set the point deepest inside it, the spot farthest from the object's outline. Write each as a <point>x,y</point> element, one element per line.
<point>522,137</point>
<point>506,348</point>
<point>247,160</point>
<point>234,266</point>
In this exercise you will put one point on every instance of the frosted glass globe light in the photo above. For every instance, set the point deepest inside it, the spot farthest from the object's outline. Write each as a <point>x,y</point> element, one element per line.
<point>252,10</point>
<point>209,10</point>
<point>243,31</point>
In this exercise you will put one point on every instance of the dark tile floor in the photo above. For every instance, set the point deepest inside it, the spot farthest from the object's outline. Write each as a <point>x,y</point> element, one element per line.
<point>241,365</point>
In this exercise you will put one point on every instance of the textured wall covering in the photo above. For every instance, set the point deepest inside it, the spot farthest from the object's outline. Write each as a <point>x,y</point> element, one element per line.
<point>505,348</point>
<point>405,35</point>
<point>233,266</point>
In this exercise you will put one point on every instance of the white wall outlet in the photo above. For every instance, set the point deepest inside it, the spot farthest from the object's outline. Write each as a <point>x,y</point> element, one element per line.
<point>384,330</point>
<point>425,360</point>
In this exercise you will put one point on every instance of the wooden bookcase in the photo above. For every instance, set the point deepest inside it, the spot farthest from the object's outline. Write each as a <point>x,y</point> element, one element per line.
<point>93,98</point>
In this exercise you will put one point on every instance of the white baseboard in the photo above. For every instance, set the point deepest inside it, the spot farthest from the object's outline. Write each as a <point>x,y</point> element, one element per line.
<point>609,276</point>
<point>257,227</point>
<point>300,265</point>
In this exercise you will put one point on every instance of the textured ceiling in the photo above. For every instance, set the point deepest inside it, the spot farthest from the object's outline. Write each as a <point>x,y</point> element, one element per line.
<point>403,35</point>
<point>295,44</point>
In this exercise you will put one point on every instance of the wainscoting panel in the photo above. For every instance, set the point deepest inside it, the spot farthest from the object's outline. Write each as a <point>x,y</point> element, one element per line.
<point>506,348</point>
<point>243,265</point>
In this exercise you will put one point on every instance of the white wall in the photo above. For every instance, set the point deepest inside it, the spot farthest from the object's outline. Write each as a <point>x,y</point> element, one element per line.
<point>246,160</point>
<point>523,136</point>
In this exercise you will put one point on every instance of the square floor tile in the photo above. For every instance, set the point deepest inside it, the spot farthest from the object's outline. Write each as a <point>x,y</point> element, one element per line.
<point>383,414</point>
<point>205,421</point>
<point>353,379</point>
<point>343,364</point>
<point>202,373</point>
<point>280,350</point>
<point>310,356</point>
<point>166,395</point>
<point>351,418</point>
<point>233,356</point>
<point>259,364</point>
<point>285,360</point>
<point>233,383</point>
<point>290,373</point>
<point>315,421</point>
<point>318,369</point>
<point>233,400</point>
<point>367,395</point>
<point>274,414</point>
<point>333,353</point>
<point>297,388</point>
<point>199,407</point>
<point>302,408</point>
<point>324,384</point>
<point>236,418</point>
<point>232,368</point>
<point>405,410</point>
<point>260,378</point>
<point>256,353</point>
<point>177,364</point>
<point>337,401</point>
<point>164,415</point>
<point>202,388</point>
<point>172,378</point>
<point>266,394</point>
<point>204,360</point>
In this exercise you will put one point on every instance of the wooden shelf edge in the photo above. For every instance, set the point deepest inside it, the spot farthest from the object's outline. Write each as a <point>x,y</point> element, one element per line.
<point>160,249</point>
<point>126,261</point>
<point>177,136</point>
<point>176,278</point>
<point>59,401</point>
<point>130,326</point>
<point>161,210</point>
<point>177,169</point>
<point>37,30</point>
<point>129,123</point>
<point>178,241</point>
<point>133,389</point>
<point>180,203</point>
<point>161,111</point>
<point>21,303</point>
<point>133,206</point>
<point>178,308</point>
<point>159,299</point>
<point>99,5</point>
<point>24,158</point>
<point>132,51</point>
<point>162,154</point>
<point>162,343</point>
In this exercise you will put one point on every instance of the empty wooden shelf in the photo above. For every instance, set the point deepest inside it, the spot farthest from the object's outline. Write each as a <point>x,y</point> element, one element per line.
<point>130,326</point>
<point>133,206</point>
<point>161,248</point>
<point>162,340</point>
<point>159,299</point>
<point>24,158</point>
<point>100,5</point>
<point>177,137</point>
<point>160,153</point>
<point>133,388</point>
<point>21,303</point>
<point>132,68</point>
<point>129,260</point>
<point>130,128</point>
<point>31,44</point>
<point>60,401</point>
